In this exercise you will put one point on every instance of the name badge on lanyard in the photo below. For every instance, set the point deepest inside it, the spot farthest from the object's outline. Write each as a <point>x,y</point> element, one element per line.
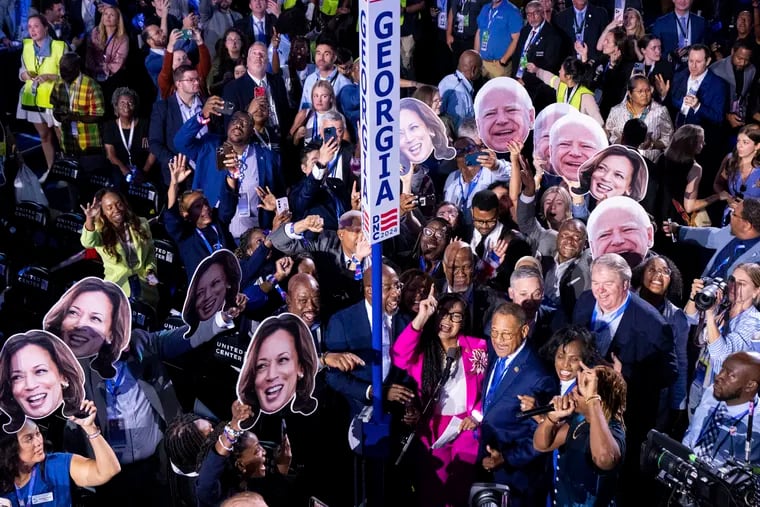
<point>42,498</point>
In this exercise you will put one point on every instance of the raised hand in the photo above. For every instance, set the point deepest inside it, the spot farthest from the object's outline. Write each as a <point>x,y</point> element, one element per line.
<point>363,248</point>
<point>87,422</point>
<point>328,150</point>
<point>213,105</point>
<point>92,210</point>
<point>283,266</point>
<point>356,198</point>
<point>564,406</point>
<point>281,218</point>
<point>284,455</point>
<point>267,198</point>
<point>500,249</point>
<point>240,412</point>
<point>178,169</point>
<point>427,309</point>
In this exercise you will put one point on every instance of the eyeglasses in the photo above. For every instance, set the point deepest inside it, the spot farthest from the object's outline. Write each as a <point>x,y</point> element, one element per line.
<point>190,80</point>
<point>464,150</point>
<point>490,221</point>
<point>393,286</point>
<point>438,233</point>
<point>662,271</point>
<point>505,335</point>
<point>735,214</point>
<point>455,317</point>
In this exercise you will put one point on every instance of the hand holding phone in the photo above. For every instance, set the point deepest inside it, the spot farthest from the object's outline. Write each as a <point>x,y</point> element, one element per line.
<point>259,91</point>
<point>330,133</point>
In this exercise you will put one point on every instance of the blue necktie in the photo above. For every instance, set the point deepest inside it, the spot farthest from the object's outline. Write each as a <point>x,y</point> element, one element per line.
<point>498,373</point>
<point>704,448</point>
<point>721,269</point>
<point>682,26</point>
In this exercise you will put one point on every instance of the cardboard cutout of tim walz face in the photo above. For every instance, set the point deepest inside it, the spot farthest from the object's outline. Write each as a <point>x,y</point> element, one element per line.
<point>620,225</point>
<point>279,368</point>
<point>421,132</point>
<point>573,139</point>
<point>214,287</point>
<point>503,113</point>
<point>38,374</point>
<point>544,122</point>
<point>614,171</point>
<point>93,318</point>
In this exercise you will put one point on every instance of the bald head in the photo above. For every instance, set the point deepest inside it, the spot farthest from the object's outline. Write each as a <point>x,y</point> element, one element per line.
<point>738,379</point>
<point>470,64</point>
<point>302,280</point>
<point>245,499</point>
<point>458,266</point>
<point>303,298</point>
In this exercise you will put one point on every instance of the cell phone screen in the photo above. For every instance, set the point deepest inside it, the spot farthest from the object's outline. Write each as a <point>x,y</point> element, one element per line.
<point>330,133</point>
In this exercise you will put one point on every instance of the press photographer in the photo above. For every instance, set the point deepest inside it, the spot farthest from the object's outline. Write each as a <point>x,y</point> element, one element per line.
<point>728,325</point>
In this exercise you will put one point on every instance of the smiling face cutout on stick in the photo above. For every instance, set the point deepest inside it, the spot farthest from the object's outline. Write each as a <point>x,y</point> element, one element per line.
<point>38,373</point>
<point>573,140</point>
<point>93,318</point>
<point>215,284</point>
<point>421,133</point>
<point>279,368</point>
<point>503,113</point>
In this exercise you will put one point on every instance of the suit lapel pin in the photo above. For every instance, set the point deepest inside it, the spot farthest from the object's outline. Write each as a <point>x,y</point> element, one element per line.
<point>517,369</point>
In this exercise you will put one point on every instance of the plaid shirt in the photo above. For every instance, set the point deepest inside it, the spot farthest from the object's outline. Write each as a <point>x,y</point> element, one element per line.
<point>86,100</point>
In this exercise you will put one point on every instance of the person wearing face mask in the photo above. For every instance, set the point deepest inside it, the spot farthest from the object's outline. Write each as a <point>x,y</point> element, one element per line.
<point>339,256</point>
<point>729,326</point>
<point>420,350</point>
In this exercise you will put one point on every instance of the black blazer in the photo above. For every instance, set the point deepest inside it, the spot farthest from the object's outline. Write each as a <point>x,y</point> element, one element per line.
<point>240,92</point>
<point>546,50</point>
<point>245,25</point>
<point>165,121</point>
<point>596,20</point>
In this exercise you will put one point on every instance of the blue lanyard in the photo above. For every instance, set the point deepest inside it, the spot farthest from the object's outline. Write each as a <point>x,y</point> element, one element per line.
<point>492,15</point>
<point>243,161</point>
<point>217,245</point>
<point>30,491</point>
<point>710,419</point>
<point>614,317</point>
<point>113,386</point>
<point>470,188</point>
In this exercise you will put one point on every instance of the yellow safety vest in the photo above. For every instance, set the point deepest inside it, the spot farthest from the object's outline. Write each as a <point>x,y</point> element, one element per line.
<point>329,7</point>
<point>575,98</point>
<point>403,6</point>
<point>288,4</point>
<point>49,65</point>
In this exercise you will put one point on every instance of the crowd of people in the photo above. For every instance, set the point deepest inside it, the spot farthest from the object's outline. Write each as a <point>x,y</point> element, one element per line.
<point>578,226</point>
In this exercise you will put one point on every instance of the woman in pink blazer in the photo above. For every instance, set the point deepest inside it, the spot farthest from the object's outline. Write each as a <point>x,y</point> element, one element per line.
<point>448,467</point>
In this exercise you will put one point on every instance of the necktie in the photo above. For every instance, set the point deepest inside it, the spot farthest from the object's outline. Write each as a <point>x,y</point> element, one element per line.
<point>261,36</point>
<point>498,372</point>
<point>682,27</point>
<point>480,250</point>
<point>578,22</point>
<point>722,268</point>
<point>530,39</point>
<point>711,432</point>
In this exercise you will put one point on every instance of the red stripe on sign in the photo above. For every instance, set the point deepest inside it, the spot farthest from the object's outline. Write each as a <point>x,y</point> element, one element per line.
<point>388,222</point>
<point>390,213</point>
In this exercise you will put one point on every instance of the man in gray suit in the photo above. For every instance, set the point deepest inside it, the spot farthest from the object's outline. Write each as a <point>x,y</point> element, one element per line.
<point>739,73</point>
<point>734,244</point>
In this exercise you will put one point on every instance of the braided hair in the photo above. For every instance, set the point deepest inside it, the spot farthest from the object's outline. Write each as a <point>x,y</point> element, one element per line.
<point>184,442</point>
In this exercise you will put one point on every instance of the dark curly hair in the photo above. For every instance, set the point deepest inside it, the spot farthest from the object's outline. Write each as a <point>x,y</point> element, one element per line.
<point>304,401</point>
<point>675,289</point>
<point>107,230</point>
<point>10,464</point>
<point>121,321</point>
<point>64,360</point>
<point>612,388</point>
<point>406,278</point>
<point>184,442</point>
<point>430,346</point>
<point>567,335</point>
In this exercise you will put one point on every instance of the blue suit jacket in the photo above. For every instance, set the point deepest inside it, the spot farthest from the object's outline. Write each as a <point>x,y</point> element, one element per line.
<point>349,331</point>
<point>524,468</point>
<point>211,180</point>
<point>165,119</point>
<point>644,344</point>
<point>712,237</point>
<point>665,29</point>
<point>712,95</point>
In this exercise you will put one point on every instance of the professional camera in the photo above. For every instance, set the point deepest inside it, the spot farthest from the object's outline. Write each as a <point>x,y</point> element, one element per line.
<point>707,297</point>
<point>489,494</point>
<point>695,482</point>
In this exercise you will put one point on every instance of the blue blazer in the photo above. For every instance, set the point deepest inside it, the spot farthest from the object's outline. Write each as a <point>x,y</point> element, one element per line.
<point>712,237</point>
<point>165,119</point>
<point>524,468</point>
<point>349,331</point>
<point>665,29</point>
<point>712,95</point>
<point>211,180</point>
<point>644,344</point>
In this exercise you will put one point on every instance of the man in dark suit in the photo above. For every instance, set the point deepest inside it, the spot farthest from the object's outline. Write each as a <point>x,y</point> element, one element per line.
<point>506,442</point>
<point>241,91</point>
<point>259,26</point>
<point>584,23</point>
<point>170,114</point>
<point>680,29</point>
<point>698,96</point>
<point>632,331</point>
<point>539,42</point>
<point>338,256</point>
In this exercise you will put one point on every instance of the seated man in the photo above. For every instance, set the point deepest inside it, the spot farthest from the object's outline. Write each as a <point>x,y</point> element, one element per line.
<point>718,430</point>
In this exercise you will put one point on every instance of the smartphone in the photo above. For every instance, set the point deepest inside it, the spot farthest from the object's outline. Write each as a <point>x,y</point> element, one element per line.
<point>259,91</point>
<point>187,34</point>
<point>424,200</point>
<point>330,133</point>
<point>638,68</point>
<point>283,430</point>
<point>316,502</point>
<point>228,109</point>
<point>282,205</point>
<point>472,158</point>
<point>221,153</point>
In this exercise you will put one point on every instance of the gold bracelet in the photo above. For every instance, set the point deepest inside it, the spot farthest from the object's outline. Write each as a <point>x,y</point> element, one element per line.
<point>594,397</point>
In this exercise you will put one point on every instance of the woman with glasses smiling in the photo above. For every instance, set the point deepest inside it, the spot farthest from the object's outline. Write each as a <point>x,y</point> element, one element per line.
<point>659,283</point>
<point>447,464</point>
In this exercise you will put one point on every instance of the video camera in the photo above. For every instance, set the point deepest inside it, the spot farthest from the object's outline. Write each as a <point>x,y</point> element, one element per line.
<point>696,482</point>
<point>708,296</point>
